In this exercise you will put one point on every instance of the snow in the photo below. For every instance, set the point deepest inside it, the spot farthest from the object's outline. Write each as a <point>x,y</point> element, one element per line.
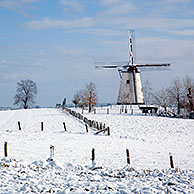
<point>149,139</point>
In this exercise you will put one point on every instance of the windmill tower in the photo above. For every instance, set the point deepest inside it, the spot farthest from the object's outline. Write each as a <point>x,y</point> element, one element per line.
<point>130,91</point>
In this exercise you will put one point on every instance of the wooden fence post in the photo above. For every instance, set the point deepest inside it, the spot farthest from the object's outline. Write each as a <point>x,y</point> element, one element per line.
<point>19,125</point>
<point>97,125</point>
<point>90,123</point>
<point>104,126</point>
<point>93,154</point>
<point>100,125</point>
<point>122,108</point>
<point>42,126</point>
<point>171,161</point>
<point>5,149</point>
<point>86,128</point>
<point>125,109</point>
<point>51,152</point>
<point>128,156</point>
<point>108,129</point>
<point>64,126</point>
<point>93,123</point>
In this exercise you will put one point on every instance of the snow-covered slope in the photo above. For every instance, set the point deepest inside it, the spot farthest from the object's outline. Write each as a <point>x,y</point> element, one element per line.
<point>148,138</point>
<point>151,138</point>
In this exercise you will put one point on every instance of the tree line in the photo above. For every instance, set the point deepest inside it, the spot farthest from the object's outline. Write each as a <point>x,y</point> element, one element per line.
<point>26,91</point>
<point>180,95</point>
<point>86,96</point>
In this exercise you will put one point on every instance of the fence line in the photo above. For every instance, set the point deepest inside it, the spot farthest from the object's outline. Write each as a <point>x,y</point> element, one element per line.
<point>93,155</point>
<point>99,126</point>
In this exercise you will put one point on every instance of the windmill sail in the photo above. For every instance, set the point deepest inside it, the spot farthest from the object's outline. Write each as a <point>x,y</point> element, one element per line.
<point>130,48</point>
<point>154,65</point>
<point>131,61</point>
<point>111,65</point>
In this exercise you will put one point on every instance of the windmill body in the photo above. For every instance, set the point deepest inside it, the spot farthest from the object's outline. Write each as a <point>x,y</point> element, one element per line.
<point>130,91</point>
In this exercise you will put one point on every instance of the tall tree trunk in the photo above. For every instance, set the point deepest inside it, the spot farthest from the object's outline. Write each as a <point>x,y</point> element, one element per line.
<point>178,108</point>
<point>90,108</point>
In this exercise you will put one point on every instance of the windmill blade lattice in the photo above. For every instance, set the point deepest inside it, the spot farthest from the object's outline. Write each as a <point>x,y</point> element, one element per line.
<point>111,65</point>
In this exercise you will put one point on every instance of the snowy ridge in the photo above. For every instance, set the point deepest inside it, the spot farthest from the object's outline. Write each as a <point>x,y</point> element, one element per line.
<point>49,177</point>
<point>148,138</point>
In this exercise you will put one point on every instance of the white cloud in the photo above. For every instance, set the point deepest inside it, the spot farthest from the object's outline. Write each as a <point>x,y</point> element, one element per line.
<point>162,23</point>
<point>70,52</point>
<point>157,49</point>
<point>28,1</point>
<point>183,32</point>
<point>39,64</point>
<point>104,32</point>
<point>177,1</point>
<point>117,7</point>
<point>121,9</point>
<point>42,53</point>
<point>14,76</point>
<point>113,42</point>
<point>13,4</point>
<point>110,2</point>
<point>10,4</point>
<point>73,4</point>
<point>152,22</point>
<point>17,6</point>
<point>47,23</point>
<point>3,61</point>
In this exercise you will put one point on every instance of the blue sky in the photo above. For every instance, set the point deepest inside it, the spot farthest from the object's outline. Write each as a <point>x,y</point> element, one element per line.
<point>56,43</point>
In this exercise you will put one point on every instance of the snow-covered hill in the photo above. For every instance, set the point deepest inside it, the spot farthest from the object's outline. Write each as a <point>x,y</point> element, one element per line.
<point>148,138</point>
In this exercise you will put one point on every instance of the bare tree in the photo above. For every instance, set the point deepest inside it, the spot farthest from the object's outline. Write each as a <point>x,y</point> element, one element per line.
<point>190,102</point>
<point>89,97</point>
<point>188,90</point>
<point>161,98</point>
<point>25,93</point>
<point>77,97</point>
<point>176,94</point>
<point>147,92</point>
<point>188,82</point>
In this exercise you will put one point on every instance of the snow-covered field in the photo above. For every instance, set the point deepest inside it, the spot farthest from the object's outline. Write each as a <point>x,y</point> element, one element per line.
<point>148,138</point>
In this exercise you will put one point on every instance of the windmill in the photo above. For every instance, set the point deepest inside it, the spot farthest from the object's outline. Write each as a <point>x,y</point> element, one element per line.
<point>130,91</point>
